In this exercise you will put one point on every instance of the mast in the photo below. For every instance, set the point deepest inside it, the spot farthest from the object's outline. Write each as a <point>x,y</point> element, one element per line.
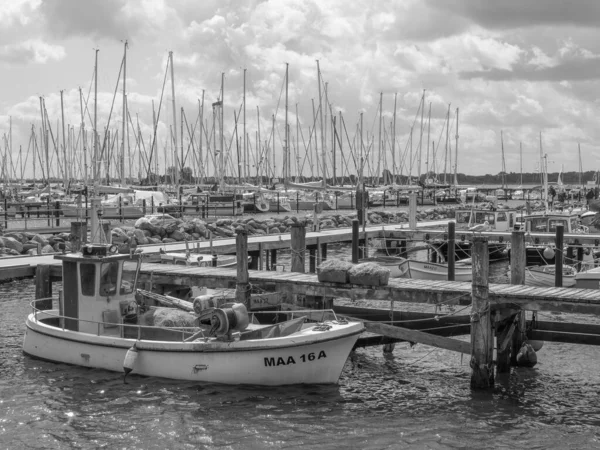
<point>83,139</point>
<point>521,161</point>
<point>323,153</point>
<point>447,140</point>
<point>380,139</point>
<point>580,166</point>
<point>421,136</point>
<point>286,150</point>
<point>95,171</point>
<point>246,161</point>
<point>456,151</point>
<point>394,140</point>
<point>122,158</point>
<point>174,133</point>
<point>503,161</point>
<point>221,157</point>
<point>428,138</point>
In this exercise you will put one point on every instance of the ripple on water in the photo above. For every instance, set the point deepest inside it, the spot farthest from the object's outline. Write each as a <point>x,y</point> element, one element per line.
<point>415,397</point>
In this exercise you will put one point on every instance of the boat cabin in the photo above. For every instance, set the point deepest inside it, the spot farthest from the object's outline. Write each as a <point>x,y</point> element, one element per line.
<point>498,220</point>
<point>547,223</point>
<point>96,294</point>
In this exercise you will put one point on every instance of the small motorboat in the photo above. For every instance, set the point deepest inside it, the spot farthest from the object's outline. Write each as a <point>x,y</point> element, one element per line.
<point>544,275</point>
<point>101,323</point>
<point>421,270</point>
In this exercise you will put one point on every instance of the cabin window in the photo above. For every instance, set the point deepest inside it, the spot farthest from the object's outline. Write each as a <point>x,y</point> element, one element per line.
<point>573,224</point>
<point>554,223</point>
<point>127,284</point>
<point>462,217</point>
<point>540,224</point>
<point>501,217</point>
<point>109,273</point>
<point>87,275</point>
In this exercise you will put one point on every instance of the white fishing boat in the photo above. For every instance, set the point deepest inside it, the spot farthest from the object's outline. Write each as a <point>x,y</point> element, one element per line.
<point>98,324</point>
<point>422,270</point>
<point>544,276</point>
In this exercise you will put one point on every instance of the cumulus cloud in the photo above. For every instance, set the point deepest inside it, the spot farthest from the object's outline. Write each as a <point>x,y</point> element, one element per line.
<point>31,51</point>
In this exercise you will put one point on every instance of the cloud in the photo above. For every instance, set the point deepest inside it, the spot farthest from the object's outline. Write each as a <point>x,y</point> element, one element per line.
<point>519,13</point>
<point>113,19</point>
<point>31,51</point>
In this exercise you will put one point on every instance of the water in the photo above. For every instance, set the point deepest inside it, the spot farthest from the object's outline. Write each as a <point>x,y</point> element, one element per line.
<point>417,397</point>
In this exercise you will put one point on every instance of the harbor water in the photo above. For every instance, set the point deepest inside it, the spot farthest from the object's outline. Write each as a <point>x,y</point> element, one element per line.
<point>416,397</point>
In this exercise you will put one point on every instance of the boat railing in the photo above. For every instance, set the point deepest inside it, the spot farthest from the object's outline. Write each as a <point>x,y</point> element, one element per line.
<point>318,316</point>
<point>185,332</point>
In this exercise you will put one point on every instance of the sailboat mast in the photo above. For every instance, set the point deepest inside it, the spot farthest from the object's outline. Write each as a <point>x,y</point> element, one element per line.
<point>456,150</point>
<point>503,163</point>
<point>174,133</point>
<point>124,115</point>
<point>246,163</point>
<point>221,156</point>
<point>64,142</point>
<point>447,139</point>
<point>428,138</point>
<point>580,166</point>
<point>380,138</point>
<point>286,150</point>
<point>394,140</point>
<point>323,153</point>
<point>95,162</point>
<point>521,161</point>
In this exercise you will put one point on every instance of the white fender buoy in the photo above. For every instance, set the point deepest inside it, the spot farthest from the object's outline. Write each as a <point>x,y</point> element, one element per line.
<point>129,361</point>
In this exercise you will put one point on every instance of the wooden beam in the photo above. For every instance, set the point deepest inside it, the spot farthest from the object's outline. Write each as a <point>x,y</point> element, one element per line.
<point>482,338</point>
<point>418,336</point>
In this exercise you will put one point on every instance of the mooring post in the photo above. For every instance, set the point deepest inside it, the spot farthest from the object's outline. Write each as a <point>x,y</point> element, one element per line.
<point>518,257</point>
<point>242,287</point>
<point>482,338</point>
<point>43,287</point>
<point>579,258</point>
<point>355,241</point>
<point>570,257</point>
<point>298,244</point>
<point>558,256</point>
<point>312,259</point>
<point>412,210</point>
<point>323,252</point>
<point>403,253</point>
<point>450,252</point>
<point>274,259</point>
<point>78,235</point>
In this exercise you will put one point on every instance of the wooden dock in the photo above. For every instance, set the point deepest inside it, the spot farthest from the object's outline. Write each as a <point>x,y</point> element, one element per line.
<point>407,290</point>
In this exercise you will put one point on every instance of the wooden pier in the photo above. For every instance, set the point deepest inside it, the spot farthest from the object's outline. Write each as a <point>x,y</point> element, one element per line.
<point>497,311</point>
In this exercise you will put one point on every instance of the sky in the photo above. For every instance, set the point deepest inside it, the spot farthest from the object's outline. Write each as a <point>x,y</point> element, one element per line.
<point>516,70</point>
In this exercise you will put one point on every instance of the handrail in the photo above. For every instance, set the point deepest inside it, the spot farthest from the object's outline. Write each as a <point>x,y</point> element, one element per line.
<point>183,330</point>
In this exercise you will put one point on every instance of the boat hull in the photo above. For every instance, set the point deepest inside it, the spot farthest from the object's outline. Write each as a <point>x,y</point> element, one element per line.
<point>420,270</point>
<point>308,357</point>
<point>544,276</point>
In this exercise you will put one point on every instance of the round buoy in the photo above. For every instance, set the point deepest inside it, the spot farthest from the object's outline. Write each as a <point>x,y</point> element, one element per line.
<point>548,253</point>
<point>129,361</point>
<point>526,356</point>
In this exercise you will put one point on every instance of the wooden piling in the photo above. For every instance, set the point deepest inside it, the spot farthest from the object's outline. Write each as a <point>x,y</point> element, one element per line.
<point>412,211</point>
<point>298,245</point>
<point>518,259</point>
<point>242,288</point>
<point>312,259</point>
<point>482,339</point>
<point>274,259</point>
<point>323,252</point>
<point>558,256</point>
<point>43,287</point>
<point>355,232</point>
<point>450,252</point>
<point>579,263</point>
<point>78,235</point>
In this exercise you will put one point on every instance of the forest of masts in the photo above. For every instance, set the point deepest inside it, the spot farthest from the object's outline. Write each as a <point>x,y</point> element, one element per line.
<point>205,152</point>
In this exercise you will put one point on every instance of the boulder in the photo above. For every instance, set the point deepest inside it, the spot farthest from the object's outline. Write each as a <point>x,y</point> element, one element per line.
<point>12,243</point>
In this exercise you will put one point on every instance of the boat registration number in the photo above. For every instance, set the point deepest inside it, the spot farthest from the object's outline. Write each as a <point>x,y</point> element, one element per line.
<point>305,357</point>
